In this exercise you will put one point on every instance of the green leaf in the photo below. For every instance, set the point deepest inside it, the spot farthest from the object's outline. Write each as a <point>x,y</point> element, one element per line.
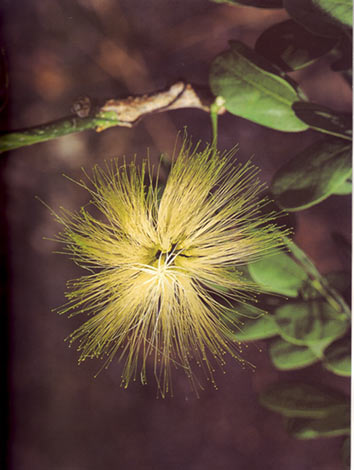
<point>308,323</point>
<point>234,316</point>
<point>313,175</point>
<point>333,425</point>
<point>301,400</point>
<point>246,322</point>
<point>290,46</point>
<point>337,357</point>
<point>313,18</point>
<point>287,356</point>
<point>253,89</point>
<point>254,3</point>
<point>340,11</point>
<point>279,274</point>
<point>323,119</point>
<point>345,188</point>
<point>319,346</point>
<point>255,329</point>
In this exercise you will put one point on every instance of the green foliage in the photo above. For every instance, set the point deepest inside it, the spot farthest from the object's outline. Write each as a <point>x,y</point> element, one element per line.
<point>313,175</point>
<point>310,411</point>
<point>345,188</point>
<point>287,356</point>
<point>255,329</point>
<point>340,11</point>
<point>312,291</point>
<point>335,424</point>
<point>254,3</point>
<point>299,400</point>
<point>313,326</point>
<point>323,119</point>
<point>278,274</point>
<point>254,90</point>
<point>291,47</point>
<point>313,17</point>
<point>337,357</point>
<point>308,323</point>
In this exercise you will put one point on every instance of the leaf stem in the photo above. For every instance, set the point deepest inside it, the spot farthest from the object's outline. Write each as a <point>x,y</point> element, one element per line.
<point>335,134</point>
<point>215,109</point>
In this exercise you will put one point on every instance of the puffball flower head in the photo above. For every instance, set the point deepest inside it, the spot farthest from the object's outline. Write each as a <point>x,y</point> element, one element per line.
<point>163,267</point>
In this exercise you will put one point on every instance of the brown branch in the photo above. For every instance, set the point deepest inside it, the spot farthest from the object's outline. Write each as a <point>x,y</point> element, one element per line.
<point>124,112</point>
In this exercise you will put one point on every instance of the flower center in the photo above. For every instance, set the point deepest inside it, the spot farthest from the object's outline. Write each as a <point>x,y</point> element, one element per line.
<point>166,257</point>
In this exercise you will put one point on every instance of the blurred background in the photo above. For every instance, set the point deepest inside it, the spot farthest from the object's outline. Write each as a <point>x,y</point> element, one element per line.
<point>59,416</point>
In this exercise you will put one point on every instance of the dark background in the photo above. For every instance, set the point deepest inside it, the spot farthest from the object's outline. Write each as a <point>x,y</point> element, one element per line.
<point>59,416</point>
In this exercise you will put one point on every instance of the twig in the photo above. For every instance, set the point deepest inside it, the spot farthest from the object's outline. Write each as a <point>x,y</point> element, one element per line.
<point>124,112</point>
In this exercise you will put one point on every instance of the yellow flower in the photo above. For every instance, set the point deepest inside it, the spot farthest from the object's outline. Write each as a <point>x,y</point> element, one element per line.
<point>162,267</point>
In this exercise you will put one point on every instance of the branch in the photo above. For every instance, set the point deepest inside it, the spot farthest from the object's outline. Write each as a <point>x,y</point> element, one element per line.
<point>125,113</point>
